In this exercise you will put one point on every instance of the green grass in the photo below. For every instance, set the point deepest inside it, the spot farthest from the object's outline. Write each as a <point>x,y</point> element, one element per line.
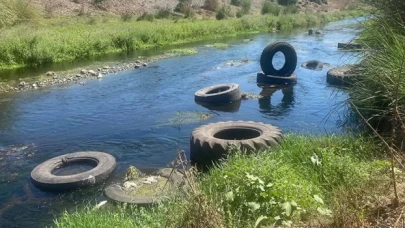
<point>382,70</point>
<point>13,12</point>
<point>71,38</point>
<point>301,181</point>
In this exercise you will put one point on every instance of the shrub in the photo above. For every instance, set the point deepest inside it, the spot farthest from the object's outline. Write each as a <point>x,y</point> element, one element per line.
<point>163,13</point>
<point>222,13</point>
<point>185,6</point>
<point>236,2</point>
<point>287,2</point>
<point>294,181</point>
<point>320,1</point>
<point>146,17</point>
<point>212,5</point>
<point>17,11</point>
<point>126,16</point>
<point>292,9</point>
<point>271,8</point>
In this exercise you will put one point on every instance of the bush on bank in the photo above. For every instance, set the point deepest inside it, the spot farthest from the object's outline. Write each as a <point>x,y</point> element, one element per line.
<point>307,180</point>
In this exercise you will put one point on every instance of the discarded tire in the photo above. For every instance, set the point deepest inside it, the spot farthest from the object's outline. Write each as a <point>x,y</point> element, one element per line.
<point>218,94</point>
<point>117,194</point>
<point>209,143</point>
<point>312,65</point>
<point>340,76</point>
<point>45,176</point>
<point>231,107</point>
<point>349,46</point>
<point>275,80</point>
<point>266,59</point>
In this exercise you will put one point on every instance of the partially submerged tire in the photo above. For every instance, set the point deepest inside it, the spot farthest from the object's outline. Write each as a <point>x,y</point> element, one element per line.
<point>45,176</point>
<point>266,59</point>
<point>312,65</point>
<point>231,107</point>
<point>209,143</point>
<point>349,46</point>
<point>219,94</point>
<point>117,194</point>
<point>275,80</point>
<point>341,76</point>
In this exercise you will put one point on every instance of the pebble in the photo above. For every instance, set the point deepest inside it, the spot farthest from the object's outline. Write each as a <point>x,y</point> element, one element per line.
<point>144,64</point>
<point>137,66</point>
<point>92,72</point>
<point>100,76</point>
<point>50,73</point>
<point>55,77</point>
<point>22,84</point>
<point>78,75</point>
<point>84,71</point>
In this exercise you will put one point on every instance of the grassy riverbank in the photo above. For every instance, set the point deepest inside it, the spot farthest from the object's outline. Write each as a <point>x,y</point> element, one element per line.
<point>71,38</point>
<point>329,181</point>
<point>379,92</point>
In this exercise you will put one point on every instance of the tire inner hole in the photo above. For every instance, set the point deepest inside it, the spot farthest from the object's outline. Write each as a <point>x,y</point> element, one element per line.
<point>237,134</point>
<point>278,60</point>
<point>312,65</point>
<point>218,90</point>
<point>74,167</point>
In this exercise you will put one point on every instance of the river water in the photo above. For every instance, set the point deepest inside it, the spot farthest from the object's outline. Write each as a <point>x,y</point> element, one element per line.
<point>142,117</point>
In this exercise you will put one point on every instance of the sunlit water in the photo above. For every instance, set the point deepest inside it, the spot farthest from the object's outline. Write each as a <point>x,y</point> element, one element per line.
<point>134,115</point>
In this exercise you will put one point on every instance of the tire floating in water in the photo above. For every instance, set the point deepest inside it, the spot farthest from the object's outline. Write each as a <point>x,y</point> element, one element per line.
<point>50,175</point>
<point>219,94</point>
<point>312,65</point>
<point>266,59</point>
<point>209,143</point>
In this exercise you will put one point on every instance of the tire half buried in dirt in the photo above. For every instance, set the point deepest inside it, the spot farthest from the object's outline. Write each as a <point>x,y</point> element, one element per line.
<point>48,175</point>
<point>219,94</point>
<point>209,143</point>
<point>266,59</point>
<point>275,80</point>
<point>116,193</point>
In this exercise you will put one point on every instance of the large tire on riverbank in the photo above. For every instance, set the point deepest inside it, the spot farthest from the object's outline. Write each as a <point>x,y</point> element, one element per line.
<point>117,194</point>
<point>219,94</point>
<point>266,59</point>
<point>43,176</point>
<point>341,76</point>
<point>209,143</point>
<point>275,80</point>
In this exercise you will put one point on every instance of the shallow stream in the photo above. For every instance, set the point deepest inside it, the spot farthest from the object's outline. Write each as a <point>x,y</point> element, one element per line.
<point>142,117</point>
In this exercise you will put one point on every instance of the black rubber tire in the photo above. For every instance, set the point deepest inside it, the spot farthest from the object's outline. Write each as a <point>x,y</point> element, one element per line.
<point>207,147</point>
<point>115,193</point>
<point>219,94</point>
<point>232,107</point>
<point>340,76</point>
<point>43,178</point>
<point>266,59</point>
<point>312,65</point>
<point>275,80</point>
<point>349,46</point>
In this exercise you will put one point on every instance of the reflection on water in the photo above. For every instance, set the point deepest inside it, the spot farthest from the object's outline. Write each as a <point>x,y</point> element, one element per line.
<point>280,108</point>
<point>232,107</point>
